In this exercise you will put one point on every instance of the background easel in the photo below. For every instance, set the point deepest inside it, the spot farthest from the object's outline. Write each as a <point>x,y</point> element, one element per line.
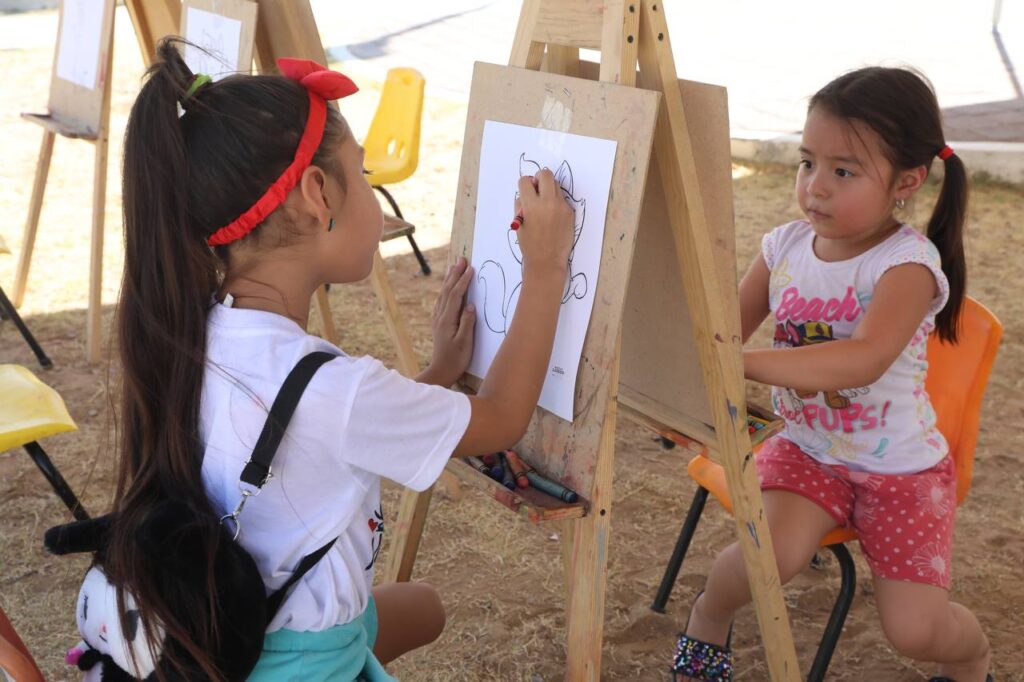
<point>698,391</point>
<point>76,112</point>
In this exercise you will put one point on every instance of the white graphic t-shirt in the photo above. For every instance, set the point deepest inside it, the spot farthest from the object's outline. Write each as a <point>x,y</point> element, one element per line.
<point>356,422</point>
<point>889,426</point>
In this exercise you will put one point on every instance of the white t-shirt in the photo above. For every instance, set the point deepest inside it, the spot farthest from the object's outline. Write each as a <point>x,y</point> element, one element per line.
<point>356,421</point>
<point>889,426</point>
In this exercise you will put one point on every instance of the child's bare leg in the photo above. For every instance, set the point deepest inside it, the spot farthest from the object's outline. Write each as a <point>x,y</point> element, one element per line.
<point>922,623</point>
<point>409,615</point>
<point>797,526</point>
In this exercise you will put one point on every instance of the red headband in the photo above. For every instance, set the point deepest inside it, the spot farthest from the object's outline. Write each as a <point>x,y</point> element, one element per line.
<point>322,85</point>
<point>945,152</point>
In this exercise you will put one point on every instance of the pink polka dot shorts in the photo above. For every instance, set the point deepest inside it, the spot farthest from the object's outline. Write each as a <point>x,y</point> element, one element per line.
<point>904,522</point>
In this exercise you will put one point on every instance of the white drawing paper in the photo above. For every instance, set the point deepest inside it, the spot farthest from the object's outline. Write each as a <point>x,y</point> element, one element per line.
<point>583,166</point>
<point>219,37</point>
<point>81,29</point>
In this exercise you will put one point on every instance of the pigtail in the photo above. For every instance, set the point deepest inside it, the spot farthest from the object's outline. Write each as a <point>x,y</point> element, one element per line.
<point>169,276</point>
<point>945,229</point>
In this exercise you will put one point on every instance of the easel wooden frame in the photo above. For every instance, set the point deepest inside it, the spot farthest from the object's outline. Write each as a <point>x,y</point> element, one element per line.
<point>549,36</point>
<point>75,112</point>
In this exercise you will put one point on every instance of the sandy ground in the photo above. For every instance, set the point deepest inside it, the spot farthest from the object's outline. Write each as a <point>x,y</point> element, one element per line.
<point>500,577</point>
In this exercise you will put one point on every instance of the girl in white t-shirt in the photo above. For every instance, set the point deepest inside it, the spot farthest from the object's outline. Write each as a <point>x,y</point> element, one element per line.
<point>242,197</point>
<point>854,293</point>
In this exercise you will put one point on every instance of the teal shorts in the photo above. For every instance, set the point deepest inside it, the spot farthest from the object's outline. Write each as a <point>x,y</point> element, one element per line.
<point>342,653</point>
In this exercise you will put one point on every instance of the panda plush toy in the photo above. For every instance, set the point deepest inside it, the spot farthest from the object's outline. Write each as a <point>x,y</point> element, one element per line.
<point>107,652</point>
<point>176,556</point>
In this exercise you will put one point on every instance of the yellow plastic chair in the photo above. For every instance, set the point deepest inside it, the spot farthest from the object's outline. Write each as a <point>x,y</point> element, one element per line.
<point>393,142</point>
<point>957,376</point>
<point>8,312</point>
<point>30,411</point>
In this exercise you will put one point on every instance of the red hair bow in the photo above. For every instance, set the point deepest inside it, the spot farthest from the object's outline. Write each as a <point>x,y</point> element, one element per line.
<point>315,78</point>
<point>322,84</point>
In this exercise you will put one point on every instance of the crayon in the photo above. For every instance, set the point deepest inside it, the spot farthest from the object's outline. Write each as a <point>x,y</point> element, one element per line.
<point>508,479</point>
<point>552,488</point>
<point>517,222</point>
<point>490,459</point>
<point>519,469</point>
<point>478,464</point>
<point>497,472</point>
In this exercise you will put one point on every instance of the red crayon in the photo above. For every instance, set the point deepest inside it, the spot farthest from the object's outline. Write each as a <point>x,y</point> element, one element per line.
<point>518,468</point>
<point>517,222</point>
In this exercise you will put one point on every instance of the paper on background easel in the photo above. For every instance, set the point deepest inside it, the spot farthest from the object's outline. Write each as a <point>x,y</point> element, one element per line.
<point>81,29</point>
<point>219,36</point>
<point>583,166</point>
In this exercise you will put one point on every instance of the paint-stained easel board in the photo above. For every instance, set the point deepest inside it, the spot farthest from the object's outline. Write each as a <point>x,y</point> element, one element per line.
<point>660,375</point>
<point>79,78</point>
<point>558,449</point>
<point>217,25</point>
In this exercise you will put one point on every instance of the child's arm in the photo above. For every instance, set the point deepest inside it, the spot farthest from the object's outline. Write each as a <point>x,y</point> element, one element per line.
<point>502,408</point>
<point>754,297</point>
<point>900,302</point>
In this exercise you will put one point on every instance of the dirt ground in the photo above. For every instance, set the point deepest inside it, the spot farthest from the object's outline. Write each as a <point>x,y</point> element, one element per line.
<point>500,577</point>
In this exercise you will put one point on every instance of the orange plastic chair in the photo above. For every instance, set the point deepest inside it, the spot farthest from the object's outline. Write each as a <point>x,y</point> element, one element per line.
<point>16,661</point>
<point>957,376</point>
<point>392,143</point>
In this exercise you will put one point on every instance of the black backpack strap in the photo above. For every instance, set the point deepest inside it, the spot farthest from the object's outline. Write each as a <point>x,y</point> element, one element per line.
<point>257,469</point>
<point>276,598</point>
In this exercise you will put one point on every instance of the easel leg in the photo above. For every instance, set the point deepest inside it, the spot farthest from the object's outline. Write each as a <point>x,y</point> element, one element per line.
<point>412,515</point>
<point>585,614</point>
<point>35,207</point>
<point>407,362</point>
<point>94,323</point>
<point>323,309</point>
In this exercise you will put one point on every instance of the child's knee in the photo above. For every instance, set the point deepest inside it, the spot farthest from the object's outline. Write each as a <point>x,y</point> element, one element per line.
<point>429,600</point>
<point>912,633</point>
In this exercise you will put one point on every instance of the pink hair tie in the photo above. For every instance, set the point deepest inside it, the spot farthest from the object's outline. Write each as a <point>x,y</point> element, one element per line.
<point>945,152</point>
<point>322,84</point>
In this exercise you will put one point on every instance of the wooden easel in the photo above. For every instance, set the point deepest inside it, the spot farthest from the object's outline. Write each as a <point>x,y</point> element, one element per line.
<point>78,112</point>
<point>683,216</point>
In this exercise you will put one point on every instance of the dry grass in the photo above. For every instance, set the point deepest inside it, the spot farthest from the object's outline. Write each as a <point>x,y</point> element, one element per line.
<point>500,577</point>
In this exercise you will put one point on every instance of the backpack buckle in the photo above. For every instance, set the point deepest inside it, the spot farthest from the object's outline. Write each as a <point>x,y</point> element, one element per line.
<point>233,516</point>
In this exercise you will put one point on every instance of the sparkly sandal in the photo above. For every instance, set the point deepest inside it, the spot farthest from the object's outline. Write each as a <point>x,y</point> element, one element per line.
<point>702,660</point>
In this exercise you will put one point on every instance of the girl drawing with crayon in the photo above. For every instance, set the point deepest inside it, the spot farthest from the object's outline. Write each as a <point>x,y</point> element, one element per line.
<point>854,293</point>
<point>236,212</point>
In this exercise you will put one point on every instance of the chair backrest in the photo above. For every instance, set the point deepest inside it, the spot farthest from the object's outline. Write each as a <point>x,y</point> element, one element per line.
<point>393,142</point>
<point>16,662</point>
<point>957,376</point>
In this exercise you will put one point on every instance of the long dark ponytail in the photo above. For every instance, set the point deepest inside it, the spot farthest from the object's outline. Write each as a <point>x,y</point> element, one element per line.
<point>900,106</point>
<point>183,178</point>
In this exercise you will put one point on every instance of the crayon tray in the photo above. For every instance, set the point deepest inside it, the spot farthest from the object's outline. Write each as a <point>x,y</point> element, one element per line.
<point>528,502</point>
<point>758,436</point>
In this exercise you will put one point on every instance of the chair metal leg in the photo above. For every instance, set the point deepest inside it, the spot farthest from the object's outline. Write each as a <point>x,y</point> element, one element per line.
<point>8,311</point>
<point>679,553</point>
<point>834,628</point>
<point>424,266</point>
<point>60,486</point>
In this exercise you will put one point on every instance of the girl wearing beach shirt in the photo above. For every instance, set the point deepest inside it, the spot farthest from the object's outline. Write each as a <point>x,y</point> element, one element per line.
<point>853,294</point>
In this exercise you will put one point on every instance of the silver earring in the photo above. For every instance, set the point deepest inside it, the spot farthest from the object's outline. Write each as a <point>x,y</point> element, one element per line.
<point>330,225</point>
<point>900,203</point>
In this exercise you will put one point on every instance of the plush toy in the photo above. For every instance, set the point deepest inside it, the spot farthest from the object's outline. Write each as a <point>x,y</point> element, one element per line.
<point>176,555</point>
<point>105,652</point>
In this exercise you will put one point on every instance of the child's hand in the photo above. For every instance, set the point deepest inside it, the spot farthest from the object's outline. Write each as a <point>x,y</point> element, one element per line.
<point>452,322</point>
<point>546,235</point>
